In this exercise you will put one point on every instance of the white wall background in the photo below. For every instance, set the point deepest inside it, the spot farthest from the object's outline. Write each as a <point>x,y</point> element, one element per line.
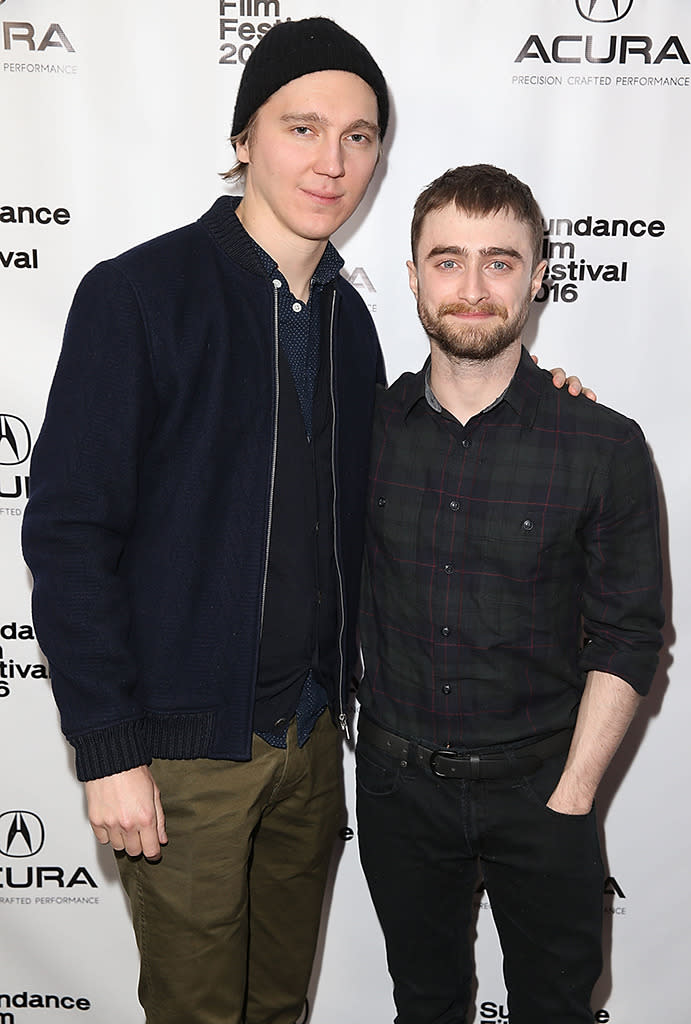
<point>119,116</point>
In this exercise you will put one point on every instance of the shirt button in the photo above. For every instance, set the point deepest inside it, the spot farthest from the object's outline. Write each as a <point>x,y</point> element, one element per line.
<point>381,502</point>
<point>527,525</point>
<point>466,442</point>
<point>446,688</point>
<point>444,630</point>
<point>448,568</point>
<point>454,505</point>
<point>297,308</point>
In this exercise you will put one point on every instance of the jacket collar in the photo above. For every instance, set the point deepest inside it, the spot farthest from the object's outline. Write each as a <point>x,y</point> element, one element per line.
<point>228,233</point>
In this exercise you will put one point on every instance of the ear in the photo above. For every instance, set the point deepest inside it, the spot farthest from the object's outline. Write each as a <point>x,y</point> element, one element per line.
<point>536,279</point>
<point>412,277</point>
<point>242,151</point>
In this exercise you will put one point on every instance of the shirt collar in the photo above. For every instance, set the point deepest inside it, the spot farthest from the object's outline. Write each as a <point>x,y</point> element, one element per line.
<point>522,394</point>
<point>326,270</point>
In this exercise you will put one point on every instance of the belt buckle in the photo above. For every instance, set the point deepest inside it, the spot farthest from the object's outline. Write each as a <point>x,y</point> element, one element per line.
<point>454,755</point>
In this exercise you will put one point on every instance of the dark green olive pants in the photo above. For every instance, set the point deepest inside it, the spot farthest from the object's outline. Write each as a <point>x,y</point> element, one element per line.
<point>227,920</point>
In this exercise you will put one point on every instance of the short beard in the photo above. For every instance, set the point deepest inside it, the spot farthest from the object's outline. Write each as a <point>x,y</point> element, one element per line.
<point>466,342</point>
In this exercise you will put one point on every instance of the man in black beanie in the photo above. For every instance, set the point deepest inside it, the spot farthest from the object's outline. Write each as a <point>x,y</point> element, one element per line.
<point>197,601</point>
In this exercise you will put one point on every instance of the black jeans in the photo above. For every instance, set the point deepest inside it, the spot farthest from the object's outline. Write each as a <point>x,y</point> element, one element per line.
<point>420,841</point>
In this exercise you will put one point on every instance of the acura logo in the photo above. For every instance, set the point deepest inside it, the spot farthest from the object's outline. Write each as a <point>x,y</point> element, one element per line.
<point>21,833</point>
<point>15,439</point>
<point>604,10</point>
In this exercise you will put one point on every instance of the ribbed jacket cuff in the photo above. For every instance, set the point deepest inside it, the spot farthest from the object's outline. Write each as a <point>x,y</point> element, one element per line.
<point>109,751</point>
<point>129,744</point>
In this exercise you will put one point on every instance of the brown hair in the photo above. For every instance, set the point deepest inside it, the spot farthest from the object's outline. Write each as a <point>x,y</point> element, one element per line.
<point>239,169</point>
<point>479,190</point>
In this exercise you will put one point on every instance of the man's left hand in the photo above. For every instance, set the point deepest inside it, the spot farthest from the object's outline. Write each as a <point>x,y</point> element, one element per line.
<point>568,803</point>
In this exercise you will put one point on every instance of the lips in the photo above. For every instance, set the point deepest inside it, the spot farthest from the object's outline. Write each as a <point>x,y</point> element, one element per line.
<point>323,197</point>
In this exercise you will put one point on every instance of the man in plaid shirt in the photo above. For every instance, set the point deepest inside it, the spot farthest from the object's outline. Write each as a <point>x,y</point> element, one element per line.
<point>510,626</point>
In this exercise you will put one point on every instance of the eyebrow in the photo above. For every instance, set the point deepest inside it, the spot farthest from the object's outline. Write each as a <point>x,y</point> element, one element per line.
<point>461,250</point>
<point>314,117</point>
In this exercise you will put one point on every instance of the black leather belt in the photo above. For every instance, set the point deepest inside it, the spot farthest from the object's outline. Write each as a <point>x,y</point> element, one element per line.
<point>464,764</point>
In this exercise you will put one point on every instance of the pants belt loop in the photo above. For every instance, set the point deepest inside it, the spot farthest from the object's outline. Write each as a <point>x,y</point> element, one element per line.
<point>474,766</point>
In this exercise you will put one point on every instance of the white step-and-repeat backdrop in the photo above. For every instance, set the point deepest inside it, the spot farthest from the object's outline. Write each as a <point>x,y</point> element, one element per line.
<point>113,128</point>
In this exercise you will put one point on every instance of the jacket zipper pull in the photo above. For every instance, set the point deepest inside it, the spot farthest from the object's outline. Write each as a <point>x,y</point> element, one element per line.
<point>343,722</point>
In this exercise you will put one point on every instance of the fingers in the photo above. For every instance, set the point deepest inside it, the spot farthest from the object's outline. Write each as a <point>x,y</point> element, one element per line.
<point>134,839</point>
<point>576,388</point>
<point>160,817</point>
<point>103,836</point>
<point>125,810</point>
<point>573,383</point>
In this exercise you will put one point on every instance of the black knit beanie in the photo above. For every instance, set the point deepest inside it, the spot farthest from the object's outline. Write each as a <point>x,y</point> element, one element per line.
<point>292,49</point>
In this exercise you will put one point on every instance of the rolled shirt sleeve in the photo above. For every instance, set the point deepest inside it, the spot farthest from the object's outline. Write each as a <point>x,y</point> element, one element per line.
<point>621,600</point>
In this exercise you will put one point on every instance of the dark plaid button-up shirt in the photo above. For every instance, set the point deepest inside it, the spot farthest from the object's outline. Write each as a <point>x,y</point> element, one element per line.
<point>504,560</point>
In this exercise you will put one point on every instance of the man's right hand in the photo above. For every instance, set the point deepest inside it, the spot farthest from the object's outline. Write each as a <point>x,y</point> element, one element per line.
<point>125,810</point>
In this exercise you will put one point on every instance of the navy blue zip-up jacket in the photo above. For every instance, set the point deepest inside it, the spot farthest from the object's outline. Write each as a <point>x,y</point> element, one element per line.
<point>148,523</point>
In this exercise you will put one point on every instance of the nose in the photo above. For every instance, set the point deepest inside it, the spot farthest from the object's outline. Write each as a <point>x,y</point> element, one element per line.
<point>472,285</point>
<point>330,157</point>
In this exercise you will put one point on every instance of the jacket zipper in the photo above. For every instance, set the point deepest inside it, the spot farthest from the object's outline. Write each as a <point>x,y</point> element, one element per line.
<point>273,465</point>
<point>342,717</point>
